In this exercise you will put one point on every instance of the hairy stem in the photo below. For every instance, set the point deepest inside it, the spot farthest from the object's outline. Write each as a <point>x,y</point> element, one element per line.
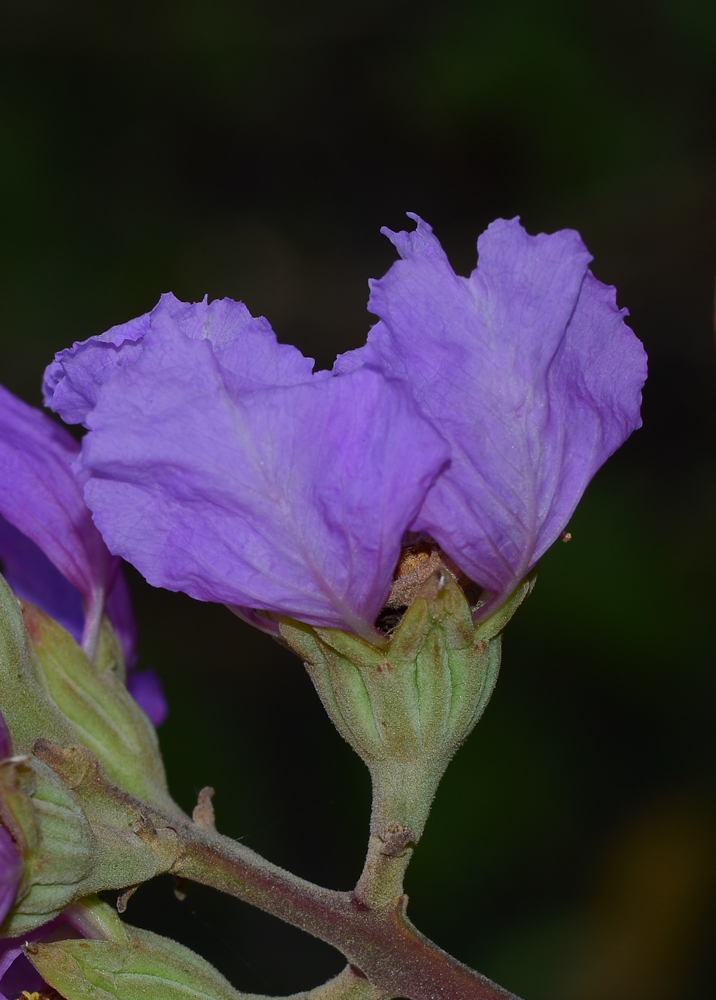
<point>402,795</point>
<point>379,942</point>
<point>381,883</point>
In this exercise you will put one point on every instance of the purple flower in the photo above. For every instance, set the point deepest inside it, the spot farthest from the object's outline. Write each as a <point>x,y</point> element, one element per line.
<point>51,552</point>
<point>54,556</point>
<point>528,371</point>
<point>219,464</point>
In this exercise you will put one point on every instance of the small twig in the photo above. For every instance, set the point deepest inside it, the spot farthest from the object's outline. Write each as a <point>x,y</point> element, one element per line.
<point>382,943</point>
<point>203,814</point>
<point>124,898</point>
<point>389,853</point>
<point>371,930</point>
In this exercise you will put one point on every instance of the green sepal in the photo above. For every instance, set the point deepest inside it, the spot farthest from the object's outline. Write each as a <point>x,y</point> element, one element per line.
<point>497,621</point>
<point>110,655</point>
<point>406,703</point>
<point>95,700</point>
<point>148,967</point>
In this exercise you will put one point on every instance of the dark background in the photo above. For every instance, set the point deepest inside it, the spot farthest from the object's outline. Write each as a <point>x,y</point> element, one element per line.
<point>254,149</point>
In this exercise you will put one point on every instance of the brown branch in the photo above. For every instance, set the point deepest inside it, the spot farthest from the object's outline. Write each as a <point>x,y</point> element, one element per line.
<point>381,943</point>
<point>369,925</point>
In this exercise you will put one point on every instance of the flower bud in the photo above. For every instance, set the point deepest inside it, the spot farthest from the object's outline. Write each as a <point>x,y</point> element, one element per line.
<point>76,832</point>
<point>27,710</point>
<point>53,836</point>
<point>95,700</point>
<point>406,706</point>
<point>148,965</point>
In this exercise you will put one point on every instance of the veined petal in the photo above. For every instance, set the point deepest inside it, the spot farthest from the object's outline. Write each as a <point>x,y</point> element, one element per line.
<point>34,578</point>
<point>292,499</point>
<point>40,496</point>
<point>51,552</point>
<point>245,346</point>
<point>529,372</point>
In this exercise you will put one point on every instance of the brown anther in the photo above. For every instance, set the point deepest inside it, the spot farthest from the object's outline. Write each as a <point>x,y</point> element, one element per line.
<point>565,536</point>
<point>416,564</point>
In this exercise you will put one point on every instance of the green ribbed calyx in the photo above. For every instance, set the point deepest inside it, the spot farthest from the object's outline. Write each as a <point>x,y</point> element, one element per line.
<point>406,705</point>
<point>145,966</point>
<point>53,836</point>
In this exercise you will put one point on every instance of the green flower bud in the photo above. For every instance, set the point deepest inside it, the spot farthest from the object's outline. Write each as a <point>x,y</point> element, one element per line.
<point>147,966</point>
<point>94,699</point>
<point>129,848</point>
<point>406,705</point>
<point>81,744</point>
<point>28,711</point>
<point>54,837</point>
<point>77,833</point>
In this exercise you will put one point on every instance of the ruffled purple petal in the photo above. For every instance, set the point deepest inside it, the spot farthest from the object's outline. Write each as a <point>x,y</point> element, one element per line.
<point>292,499</point>
<point>50,549</point>
<point>73,380</point>
<point>40,496</point>
<point>245,347</point>
<point>528,371</point>
<point>146,689</point>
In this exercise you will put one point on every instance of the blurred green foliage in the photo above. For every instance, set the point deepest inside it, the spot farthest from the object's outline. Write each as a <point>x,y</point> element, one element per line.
<point>253,149</point>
